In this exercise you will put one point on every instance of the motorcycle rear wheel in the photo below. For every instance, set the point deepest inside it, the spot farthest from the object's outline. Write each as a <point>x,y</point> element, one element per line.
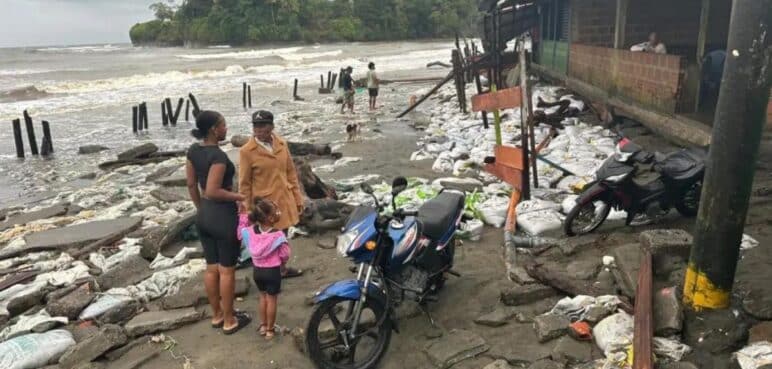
<point>689,204</point>
<point>580,214</point>
<point>319,339</point>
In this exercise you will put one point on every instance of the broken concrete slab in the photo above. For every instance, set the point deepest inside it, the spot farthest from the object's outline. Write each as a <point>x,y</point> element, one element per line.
<point>137,356</point>
<point>132,270</point>
<point>628,261</point>
<point>520,276</point>
<point>170,194</point>
<point>497,318</point>
<point>159,321</point>
<point>583,268</point>
<point>757,302</point>
<point>28,217</point>
<point>79,235</point>
<point>162,172</point>
<point>571,351</point>
<point>162,236</point>
<point>760,332</point>
<point>667,241</point>
<point>715,331</point>
<point>192,293</point>
<point>522,295</point>
<point>454,347</point>
<point>550,326</point>
<point>138,152</point>
<point>326,243</point>
<point>498,364</point>
<point>547,364</point>
<point>73,303</point>
<point>109,336</point>
<point>555,275</point>
<point>118,352</point>
<point>91,149</point>
<point>518,345</point>
<point>668,314</point>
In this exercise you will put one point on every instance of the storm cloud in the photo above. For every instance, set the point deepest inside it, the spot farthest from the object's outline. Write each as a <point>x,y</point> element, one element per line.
<point>69,22</point>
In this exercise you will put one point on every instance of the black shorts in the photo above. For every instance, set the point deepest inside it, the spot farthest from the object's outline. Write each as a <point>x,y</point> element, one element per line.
<point>373,92</point>
<point>217,222</point>
<point>268,280</point>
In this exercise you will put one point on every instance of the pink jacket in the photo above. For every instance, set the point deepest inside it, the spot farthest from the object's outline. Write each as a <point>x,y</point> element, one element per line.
<point>268,250</point>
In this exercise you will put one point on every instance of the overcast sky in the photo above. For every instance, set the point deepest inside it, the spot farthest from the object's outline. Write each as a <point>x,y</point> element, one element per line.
<point>69,22</point>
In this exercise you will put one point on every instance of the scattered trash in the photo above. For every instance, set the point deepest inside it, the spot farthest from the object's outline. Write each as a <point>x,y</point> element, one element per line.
<point>614,333</point>
<point>37,323</point>
<point>34,350</point>
<point>754,356</point>
<point>748,242</point>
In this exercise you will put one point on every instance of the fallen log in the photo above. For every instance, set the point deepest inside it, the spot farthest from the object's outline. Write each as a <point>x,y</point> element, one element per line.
<point>323,215</point>
<point>438,64</point>
<point>311,184</point>
<point>302,149</point>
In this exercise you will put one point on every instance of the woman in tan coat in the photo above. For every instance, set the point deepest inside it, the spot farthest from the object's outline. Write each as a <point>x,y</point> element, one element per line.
<point>266,171</point>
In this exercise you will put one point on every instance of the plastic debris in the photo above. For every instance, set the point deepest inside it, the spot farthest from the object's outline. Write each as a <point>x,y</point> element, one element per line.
<point>37,323</point>
<point>754,356</point>
<point>748,242</point>
<point>614,333</point>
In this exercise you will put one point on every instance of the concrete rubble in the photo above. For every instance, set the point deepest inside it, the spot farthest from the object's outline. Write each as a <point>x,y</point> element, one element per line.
<point>455,346</point>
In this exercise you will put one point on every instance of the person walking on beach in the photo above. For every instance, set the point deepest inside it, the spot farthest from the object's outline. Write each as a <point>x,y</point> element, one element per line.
<point>270,250</point>
<point>266,170</point>
<point>209,175</point>
<point>373,84</point>
<point>348,90</point>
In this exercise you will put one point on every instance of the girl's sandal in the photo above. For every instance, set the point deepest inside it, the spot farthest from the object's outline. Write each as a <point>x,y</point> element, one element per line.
<point>262,329</point>
<point>269,334</point>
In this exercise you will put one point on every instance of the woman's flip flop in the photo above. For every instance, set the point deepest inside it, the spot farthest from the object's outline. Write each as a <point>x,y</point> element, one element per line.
<point>242,320</point>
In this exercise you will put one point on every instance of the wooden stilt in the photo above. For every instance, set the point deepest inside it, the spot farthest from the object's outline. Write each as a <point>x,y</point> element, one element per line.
<point>33,145</point>
<point>18,139</point>
<point>134,118</point>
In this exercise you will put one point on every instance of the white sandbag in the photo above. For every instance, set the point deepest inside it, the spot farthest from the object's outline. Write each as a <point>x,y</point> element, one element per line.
<point>494,211</point>
<point>420,155</point>
<point>111,299</point>
<point>163,262</point>
<point>456,183</point>
<point>614,333</point>
<point>575,308</point>
<point>35,350</point>
<point>443,164</point>
<point>670,349</point>
<point>465,168</point>
<point>568,204</point>
<point>571,183</point>
<point>529,206</point>
<point>755,355</point>
<point>541,223</point>
<point>471,230</point>
<point>65,277</point>
<point>36,323</point>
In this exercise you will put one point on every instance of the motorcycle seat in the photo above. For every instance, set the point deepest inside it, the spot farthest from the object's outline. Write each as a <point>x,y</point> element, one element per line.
<point>439,214</point>
<point>682,164</point>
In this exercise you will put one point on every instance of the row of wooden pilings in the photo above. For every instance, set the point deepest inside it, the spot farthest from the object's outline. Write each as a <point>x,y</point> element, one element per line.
<point>169,116</point>
<point>46,147</point>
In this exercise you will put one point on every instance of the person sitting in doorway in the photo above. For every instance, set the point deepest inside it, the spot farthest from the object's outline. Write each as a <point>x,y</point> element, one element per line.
<point>654,45</point>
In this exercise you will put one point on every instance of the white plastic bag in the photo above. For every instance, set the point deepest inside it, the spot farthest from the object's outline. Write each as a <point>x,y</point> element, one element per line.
<point>472,230</point>
<point>614,333</point>
<point>670,349</point>
<point>755,355</point>
<point>37,323</point>
<point>494,211</point>
<point>568,203</point>
<point>34,350</point>
<point>111,299</point>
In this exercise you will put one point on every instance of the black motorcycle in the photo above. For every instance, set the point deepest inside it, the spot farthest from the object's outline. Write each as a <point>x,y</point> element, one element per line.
<point>644,185</point>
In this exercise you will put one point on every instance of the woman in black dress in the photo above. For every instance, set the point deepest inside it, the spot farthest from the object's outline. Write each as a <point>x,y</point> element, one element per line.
<point>210,184</point>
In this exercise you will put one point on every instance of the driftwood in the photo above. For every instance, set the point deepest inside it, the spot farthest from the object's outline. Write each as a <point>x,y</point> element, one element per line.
<point>311,183</point>
<point>301,149</point>
<point>325,215</point>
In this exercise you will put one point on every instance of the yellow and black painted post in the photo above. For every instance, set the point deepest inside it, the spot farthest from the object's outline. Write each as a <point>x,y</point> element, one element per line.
<point>737,128</point>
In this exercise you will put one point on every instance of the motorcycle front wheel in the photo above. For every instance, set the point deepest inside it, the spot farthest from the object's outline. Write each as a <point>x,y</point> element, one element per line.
<point>586,218</point>
<point>328,340</point>
<point>689,204</point>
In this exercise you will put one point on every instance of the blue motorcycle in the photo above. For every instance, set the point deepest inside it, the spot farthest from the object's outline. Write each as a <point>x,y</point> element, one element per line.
<point>401,256</point>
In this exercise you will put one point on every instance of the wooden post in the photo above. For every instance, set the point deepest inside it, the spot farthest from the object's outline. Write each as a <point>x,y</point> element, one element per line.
<point>143,113</point>
<point>329,79</point>
<point>187,110</point>
<point>643,325</point>
<point>244,94</point>
<point>295,90</point>
<point>170,111</point>
<point>193,101</point>
<point>458,72</point>
<point>340,80</point>
<point>17,138</point>
<point>164,116</point>
<point>737,131</point>
<point>527,111</point>
<point>321,81</point>
<point>430,93</point>
<point>620,24</point>
<point>33,145</point>
<point>334,78</point>
<point>48,147</point>
<point>701,39</point>
<point>479,91</point>
<point>177,111</point>
<point>134,118</point>
<point>249,96</point>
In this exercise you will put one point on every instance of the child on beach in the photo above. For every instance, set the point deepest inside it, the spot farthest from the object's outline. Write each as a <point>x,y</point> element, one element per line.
<point>270,250</point>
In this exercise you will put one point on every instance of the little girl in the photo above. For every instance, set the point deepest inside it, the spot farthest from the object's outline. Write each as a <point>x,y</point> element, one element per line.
<point>270,250</point>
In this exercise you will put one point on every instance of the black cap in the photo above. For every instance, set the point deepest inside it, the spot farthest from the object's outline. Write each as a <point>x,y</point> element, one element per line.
<point>349,68</point>
<point>262,117</point>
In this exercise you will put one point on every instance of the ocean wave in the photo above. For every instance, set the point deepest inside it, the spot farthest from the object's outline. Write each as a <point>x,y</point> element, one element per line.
<point>306,56</point>
<point>25,93</point>
<point>24,72</point>
<point>81,49</point>
<point>251,54</point>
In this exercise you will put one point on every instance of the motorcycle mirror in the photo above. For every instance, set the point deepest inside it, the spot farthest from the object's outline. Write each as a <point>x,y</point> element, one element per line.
<point>398,185</point>
<point>366,188</point>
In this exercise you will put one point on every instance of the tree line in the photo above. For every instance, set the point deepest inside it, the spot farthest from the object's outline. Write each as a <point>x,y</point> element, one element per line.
<point>245,22</point>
